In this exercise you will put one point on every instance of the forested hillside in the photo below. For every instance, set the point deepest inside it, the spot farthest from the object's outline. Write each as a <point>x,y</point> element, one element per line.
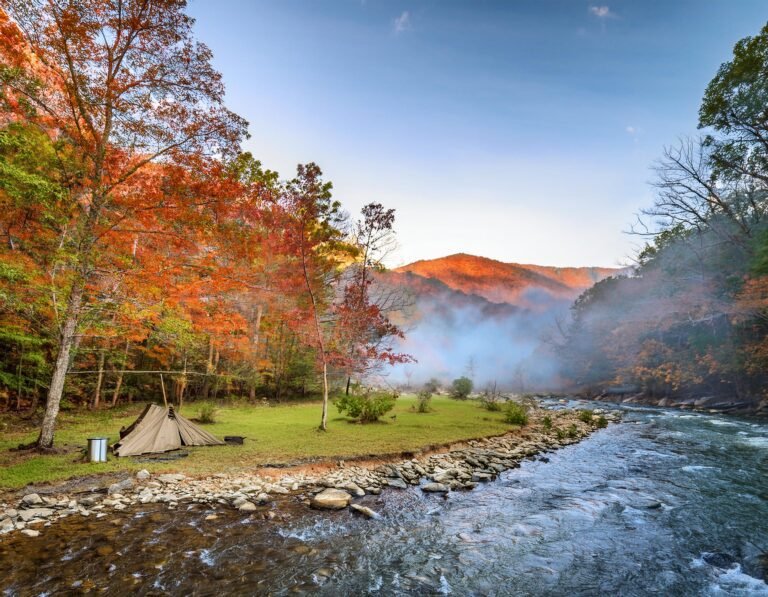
<point>690,323</point>
<point>138,238</point>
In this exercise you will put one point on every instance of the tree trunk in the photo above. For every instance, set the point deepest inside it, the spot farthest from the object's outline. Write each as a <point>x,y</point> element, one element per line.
<point>119,384</point>
<point>349,381</point>
<point>208,371</point>
<point>18,377</point>
<point>66,340</point>
<point>99,379</point>
<point>183,385</point>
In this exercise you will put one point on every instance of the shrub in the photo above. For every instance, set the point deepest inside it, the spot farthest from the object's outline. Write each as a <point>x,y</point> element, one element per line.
<point>367,406</point>
<point>585,416</point>
<point>461,388</point>
<point>602,422</point>
<point>546,422</point>
<point>516,414</point>
<point>490,402</point>
<point>207,413</point>
<point>560,433</point>
<point>572,431</point>
<point>424,401</point>
<point>491,398</point>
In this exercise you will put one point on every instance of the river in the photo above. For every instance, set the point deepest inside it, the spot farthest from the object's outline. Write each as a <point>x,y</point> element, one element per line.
<point>666,503</point>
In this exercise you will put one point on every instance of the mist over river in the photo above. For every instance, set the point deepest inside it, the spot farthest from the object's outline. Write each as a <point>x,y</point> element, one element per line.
<point>666,503</point>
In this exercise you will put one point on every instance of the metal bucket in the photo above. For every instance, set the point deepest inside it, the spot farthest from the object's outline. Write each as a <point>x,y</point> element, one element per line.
<point>97,449</point>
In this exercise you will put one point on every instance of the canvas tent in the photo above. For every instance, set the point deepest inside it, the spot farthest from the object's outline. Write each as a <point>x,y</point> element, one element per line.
<point>160,429</point>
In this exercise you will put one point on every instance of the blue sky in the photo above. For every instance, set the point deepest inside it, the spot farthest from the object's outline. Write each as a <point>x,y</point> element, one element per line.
<point>522,130</point>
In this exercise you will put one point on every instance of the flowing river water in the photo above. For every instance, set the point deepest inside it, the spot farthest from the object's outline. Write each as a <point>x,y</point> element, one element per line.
<point>665,503</point>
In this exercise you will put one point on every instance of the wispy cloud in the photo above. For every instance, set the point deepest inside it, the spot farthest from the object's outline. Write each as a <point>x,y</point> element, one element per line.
<point>602,12</point>
<point>631,130</point>
<point>402,23</point>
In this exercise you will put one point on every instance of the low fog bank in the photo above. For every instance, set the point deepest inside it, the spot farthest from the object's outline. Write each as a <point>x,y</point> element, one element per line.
<point>490,343</point>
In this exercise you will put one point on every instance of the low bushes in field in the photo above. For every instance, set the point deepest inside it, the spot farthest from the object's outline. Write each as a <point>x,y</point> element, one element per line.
<point>207,414</point>
<point>366,406</point>
<point>516,414</point>
<point>461,388</point>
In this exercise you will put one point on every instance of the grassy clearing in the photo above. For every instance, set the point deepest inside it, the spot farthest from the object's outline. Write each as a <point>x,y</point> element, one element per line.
<point>277,434</point>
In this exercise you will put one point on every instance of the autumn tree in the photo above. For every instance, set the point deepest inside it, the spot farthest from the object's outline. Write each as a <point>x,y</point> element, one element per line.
<point>122,84</point>
<point>314,229</point>
<point>365,334</point>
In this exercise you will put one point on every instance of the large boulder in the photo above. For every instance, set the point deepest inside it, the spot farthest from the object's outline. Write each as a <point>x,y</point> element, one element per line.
<point>331,499</point>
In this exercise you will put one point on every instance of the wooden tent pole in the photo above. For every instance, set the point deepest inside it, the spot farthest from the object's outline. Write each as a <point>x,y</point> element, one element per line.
<point>162,385</point>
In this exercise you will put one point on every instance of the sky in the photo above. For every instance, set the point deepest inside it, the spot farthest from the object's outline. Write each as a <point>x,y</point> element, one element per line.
<point>521,130</point>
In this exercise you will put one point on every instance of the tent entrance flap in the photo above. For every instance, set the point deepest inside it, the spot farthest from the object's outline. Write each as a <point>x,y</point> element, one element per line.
<point>159,429</point>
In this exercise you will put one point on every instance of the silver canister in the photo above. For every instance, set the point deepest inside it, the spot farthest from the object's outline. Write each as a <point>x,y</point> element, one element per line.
<point>97,449</point>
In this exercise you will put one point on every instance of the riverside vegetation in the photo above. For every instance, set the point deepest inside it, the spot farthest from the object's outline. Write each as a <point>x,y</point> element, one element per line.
<point>329,484</point>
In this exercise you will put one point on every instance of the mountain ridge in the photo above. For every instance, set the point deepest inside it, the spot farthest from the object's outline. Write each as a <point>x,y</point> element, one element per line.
<point>521,285</point>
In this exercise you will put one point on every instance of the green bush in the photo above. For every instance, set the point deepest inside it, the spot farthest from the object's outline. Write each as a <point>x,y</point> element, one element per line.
<point>516,414</point>
<point>585,416</point>
<point>560,433</point>
<point>424,401</point>
<point>602,422</point>
<point>461,388</point>
<point>367,407</point>
<point>572,431</point>
<point>546,422</point>
<point>491,403</point>
<point>207,413</point>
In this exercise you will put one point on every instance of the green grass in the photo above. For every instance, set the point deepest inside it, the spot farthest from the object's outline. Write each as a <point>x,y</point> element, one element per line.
<point>278,434</point>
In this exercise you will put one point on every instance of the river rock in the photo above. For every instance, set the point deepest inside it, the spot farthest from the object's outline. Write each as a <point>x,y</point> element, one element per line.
<point>435,488</point>
<point>397,483</point>
<point>30,533</point>
<point>354,489</point>
<point>171,478</point>
<point>90,501</point>
<point>120,486</point>
<point>6,526</point>
<point>481,477</point>
<point>142,475</point>
<point>719,560</point>
<point>365,511</point>
<point>31,499</point>
<point>247,507</point>
<point>331,499</point>
<point>27,515</point>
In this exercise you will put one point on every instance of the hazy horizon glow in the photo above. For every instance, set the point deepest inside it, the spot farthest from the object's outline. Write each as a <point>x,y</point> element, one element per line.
<point>520,131</point>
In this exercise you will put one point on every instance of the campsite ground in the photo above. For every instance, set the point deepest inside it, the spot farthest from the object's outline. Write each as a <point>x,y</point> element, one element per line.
<point>276,435</point>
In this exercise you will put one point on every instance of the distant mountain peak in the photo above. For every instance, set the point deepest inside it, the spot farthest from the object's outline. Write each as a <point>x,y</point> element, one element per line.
<point>518,284</point>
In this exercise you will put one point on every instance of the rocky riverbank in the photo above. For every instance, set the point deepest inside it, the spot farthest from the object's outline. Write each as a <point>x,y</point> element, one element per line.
<point>710,404</point>
<point>334,486</point>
